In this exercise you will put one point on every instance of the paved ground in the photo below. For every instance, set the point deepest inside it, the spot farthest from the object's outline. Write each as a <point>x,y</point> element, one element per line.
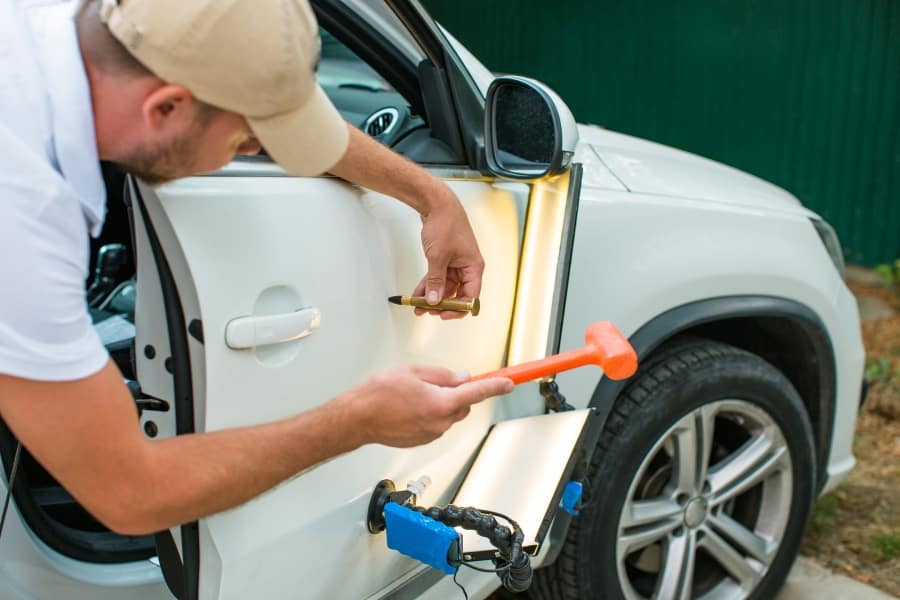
<point>809,581</point>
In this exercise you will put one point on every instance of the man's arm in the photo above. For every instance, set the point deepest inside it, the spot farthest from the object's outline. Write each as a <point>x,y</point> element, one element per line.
<point>455,264</point>
<point>86,434</point>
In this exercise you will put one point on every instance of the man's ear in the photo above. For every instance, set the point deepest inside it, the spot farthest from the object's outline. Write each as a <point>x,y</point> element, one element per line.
<point>167,106</point>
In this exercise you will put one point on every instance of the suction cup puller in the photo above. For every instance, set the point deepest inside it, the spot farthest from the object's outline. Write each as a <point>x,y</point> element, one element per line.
<point>385,492</point>
<point>427,534</point>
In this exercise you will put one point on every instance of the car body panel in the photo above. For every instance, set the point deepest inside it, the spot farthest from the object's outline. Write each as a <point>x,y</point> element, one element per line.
<point>31,570</point>
<point>596,174</point>
<point>650,168</point>
<point>665,243</point>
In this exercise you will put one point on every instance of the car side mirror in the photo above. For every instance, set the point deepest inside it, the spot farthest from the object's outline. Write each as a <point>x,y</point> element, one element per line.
<point>529,130</point>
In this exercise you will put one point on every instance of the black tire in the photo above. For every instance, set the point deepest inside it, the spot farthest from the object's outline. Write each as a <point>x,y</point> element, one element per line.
<point>672,384</point>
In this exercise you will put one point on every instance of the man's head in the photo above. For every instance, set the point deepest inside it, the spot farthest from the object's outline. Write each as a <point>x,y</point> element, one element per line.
<point>181,86</point>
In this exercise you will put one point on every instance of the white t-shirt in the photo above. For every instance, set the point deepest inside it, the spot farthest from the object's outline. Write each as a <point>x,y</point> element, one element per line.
<point>52,196</point>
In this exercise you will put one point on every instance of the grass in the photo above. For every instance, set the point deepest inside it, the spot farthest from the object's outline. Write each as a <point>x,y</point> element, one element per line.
<point>887,544</point>
<point>878,369</point>
<point>823,513</point>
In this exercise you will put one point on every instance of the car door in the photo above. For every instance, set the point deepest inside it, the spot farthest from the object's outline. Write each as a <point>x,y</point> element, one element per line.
<point>245,246</point>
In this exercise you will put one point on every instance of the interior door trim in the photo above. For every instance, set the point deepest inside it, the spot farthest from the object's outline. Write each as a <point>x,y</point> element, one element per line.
<point>182,380</point>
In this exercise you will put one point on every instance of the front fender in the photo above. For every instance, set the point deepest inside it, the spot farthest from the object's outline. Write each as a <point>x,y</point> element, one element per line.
<point>656,265</point>
<point>636,257</point>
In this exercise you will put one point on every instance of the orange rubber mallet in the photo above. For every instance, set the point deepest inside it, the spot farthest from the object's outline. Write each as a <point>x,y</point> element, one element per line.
<point>605,346</point>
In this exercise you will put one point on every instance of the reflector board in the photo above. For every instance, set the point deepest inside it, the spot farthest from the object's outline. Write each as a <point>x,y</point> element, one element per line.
<point>520,471</point>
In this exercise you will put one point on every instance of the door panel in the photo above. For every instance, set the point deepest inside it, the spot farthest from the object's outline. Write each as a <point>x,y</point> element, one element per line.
<point>255,246</point>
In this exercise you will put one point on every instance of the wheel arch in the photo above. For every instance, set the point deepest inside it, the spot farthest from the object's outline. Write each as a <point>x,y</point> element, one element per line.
<point>786,333</point>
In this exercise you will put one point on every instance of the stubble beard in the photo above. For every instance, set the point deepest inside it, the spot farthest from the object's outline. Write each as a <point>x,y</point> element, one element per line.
<point>160,164</point>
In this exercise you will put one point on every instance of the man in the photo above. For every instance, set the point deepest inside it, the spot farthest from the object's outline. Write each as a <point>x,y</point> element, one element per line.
<point>166,88</point>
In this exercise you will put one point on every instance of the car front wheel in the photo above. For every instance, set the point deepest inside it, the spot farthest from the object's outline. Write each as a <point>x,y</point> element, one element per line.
<point>700,487</point>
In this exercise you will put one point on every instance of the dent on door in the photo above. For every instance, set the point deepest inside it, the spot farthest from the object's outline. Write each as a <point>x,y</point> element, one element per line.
<point>273,246</point>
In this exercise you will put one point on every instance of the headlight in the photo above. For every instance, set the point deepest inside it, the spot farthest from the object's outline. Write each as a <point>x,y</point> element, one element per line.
<point>832,244</point>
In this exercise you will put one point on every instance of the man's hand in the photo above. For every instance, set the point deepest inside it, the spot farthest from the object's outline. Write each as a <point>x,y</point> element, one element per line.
<point>455,265</point>
<point>413,405</point>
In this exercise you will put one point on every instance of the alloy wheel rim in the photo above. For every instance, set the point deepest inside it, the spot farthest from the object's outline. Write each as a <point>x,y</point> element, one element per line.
<point>707,510</point>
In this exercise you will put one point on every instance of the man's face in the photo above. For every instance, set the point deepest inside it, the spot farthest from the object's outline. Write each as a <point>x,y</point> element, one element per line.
<point>204,143</point>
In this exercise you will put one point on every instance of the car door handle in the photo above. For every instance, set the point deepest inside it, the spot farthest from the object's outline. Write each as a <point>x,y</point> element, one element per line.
<point>249,332</point>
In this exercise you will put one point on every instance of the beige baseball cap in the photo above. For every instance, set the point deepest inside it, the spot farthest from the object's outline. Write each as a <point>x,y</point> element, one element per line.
<point>254,57</point>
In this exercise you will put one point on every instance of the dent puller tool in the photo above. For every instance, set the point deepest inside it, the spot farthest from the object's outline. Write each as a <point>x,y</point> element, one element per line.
<point>428,534</point>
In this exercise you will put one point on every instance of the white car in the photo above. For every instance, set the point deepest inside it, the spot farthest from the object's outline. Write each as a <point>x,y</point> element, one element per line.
<point>259,295</point>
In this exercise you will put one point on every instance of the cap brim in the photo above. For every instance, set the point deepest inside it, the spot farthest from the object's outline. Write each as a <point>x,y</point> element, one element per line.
<point>306,141</point>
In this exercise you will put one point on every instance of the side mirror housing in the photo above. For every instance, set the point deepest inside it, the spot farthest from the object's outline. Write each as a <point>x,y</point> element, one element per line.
<point>529,131</point>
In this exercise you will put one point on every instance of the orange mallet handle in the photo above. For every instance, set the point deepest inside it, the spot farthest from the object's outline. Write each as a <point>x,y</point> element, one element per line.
<point>605,346</point>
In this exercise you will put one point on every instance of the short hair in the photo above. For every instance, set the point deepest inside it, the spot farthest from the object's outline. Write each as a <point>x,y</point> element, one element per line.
<point>107,54</point>
<point>101,48</point>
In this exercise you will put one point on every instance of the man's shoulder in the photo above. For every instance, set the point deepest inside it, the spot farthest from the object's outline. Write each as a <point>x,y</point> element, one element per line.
<point>26,156</point>
<point>23,102</point>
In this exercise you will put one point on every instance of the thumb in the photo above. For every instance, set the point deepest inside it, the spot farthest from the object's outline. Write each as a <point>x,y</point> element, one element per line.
<point>476,391</point>
<point>435,280</point>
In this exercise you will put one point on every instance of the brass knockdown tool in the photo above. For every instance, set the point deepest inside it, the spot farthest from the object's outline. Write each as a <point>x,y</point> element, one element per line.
<point>469,306</point>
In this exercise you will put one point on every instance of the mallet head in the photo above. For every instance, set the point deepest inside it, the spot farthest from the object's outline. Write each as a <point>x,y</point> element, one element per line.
<point>611,350</point>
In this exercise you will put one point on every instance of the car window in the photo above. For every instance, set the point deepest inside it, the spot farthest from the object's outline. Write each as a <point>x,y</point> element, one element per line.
<point>340,67</point>
<point>363,97</point>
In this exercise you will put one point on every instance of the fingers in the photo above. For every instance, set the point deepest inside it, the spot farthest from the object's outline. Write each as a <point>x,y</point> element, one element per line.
<point>439,376</point>
<point>462,413</point>
<point>413,405</point>
<point>420,288</point>
<point>449,315</point>
<point>470,278</point>
<point>452,289</point>
<point>459,404</point>
<point>474,392</point>
<point>435,279</point>
<point>420,291</point>
<point>451,285</point>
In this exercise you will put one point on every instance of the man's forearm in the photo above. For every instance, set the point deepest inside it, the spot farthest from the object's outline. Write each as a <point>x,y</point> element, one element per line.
<point>86,434</point>
<point>134,485</point>
<point>374,166</point>
<point>455,264</point>
<point>228,468</point>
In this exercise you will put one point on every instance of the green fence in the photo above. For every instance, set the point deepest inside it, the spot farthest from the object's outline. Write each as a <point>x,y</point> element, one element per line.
<point>803,93</point>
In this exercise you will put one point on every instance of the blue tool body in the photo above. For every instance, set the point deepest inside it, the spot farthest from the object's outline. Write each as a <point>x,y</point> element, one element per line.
<point>419,537</point>
<point>571,498</point>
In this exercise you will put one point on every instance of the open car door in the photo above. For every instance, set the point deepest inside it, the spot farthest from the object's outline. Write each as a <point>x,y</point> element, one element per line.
<point>250,246</point>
